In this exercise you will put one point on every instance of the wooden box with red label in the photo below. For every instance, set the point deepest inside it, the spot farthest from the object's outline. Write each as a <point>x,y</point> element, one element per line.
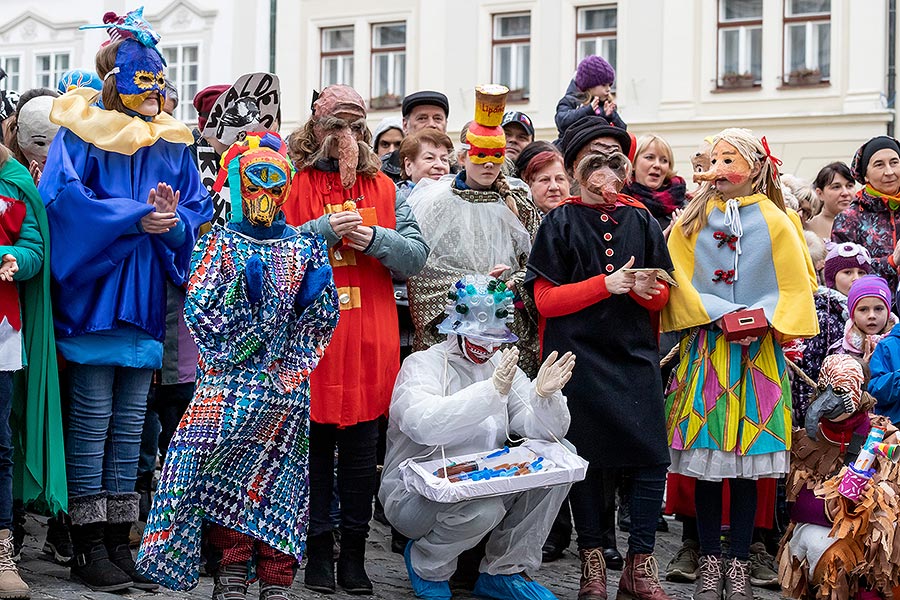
<point>744,323</point>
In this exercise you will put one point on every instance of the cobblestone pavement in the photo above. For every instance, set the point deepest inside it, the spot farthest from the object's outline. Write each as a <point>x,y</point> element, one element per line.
<point>51,581</point>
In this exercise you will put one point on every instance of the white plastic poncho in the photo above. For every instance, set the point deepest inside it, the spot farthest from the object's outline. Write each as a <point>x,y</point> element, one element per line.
<point>467,235</point>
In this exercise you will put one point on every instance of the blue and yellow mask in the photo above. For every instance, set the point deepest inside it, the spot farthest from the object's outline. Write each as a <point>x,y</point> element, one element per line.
<point>139,72</point>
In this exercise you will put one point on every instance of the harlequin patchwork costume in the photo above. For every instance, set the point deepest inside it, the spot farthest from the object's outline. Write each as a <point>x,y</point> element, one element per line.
<point>729,404</point>
<point>262,307</point>
<point>340,177</point>
<point>842,540</point>
<point>471,231</point>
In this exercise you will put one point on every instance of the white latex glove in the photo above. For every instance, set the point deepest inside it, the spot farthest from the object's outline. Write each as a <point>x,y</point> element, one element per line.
<point>554,374</point>
<point>506,370</point>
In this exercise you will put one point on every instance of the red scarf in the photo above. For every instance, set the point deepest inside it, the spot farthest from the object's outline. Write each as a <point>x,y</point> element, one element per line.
<point>841,432</point>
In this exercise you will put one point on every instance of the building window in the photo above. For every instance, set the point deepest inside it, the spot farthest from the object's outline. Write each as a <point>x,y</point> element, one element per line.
<point>337,56</point>
<point>807,41</point>
<point>48,68</point>
<point>596,33</point>
<point>740,43</point>
<point>11,65</point>
<point>512,53</point>
<point>388,65</point>
<point>183,70</point>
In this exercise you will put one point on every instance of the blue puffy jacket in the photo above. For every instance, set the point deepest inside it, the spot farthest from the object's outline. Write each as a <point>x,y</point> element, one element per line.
<point>884,384</point>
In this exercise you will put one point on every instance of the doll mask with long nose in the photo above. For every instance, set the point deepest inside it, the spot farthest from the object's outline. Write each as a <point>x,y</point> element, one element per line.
<point>604,174</point>
<point>726,163</point>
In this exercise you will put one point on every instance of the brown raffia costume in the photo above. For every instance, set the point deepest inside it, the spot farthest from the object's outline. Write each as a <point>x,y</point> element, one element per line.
<point>841,547</point>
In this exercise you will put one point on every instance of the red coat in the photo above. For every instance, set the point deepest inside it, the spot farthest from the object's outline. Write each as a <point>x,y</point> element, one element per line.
<point>355,378</point>
<point>680,499</point>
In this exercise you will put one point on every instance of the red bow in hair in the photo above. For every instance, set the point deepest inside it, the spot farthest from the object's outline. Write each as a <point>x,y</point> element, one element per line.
<point>776,162</point>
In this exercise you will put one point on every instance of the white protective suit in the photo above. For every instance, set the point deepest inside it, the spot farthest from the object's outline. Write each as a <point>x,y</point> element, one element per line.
<point>442,398</point>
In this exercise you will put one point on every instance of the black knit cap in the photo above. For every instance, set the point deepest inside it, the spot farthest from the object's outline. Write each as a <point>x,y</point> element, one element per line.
<point>587,129</point>
<point>861,159</point>
<point>425,97</point>
<point>530,151</point>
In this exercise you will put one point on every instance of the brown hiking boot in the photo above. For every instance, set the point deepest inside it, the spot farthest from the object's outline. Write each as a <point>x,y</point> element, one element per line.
<point>640,579</point>
<point>709,583</point>
<point>11,585</point>
<point>593,574</point>
<point>737,580</point>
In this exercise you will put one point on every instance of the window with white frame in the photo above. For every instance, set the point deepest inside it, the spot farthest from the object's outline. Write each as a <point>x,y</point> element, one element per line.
<point>388,64</point>
<point>12,66</point>
<point>512,53</point>
<point>337,56</point>
<point>49,67</point>
<point>596,33</point>
<point>740,43</point>
<point>183,70</point>
<point>807,41</point>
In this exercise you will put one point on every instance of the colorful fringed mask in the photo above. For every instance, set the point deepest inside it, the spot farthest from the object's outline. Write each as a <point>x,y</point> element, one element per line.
<point>259,178</point>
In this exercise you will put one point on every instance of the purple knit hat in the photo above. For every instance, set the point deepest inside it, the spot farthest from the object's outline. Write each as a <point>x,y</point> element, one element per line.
<point>868,286</point>
<point>594,70</point>
<point>845,256</point>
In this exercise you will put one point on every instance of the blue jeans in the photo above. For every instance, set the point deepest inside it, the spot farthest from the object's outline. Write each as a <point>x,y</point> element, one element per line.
<point>6,450</point>
<point>106,417</point>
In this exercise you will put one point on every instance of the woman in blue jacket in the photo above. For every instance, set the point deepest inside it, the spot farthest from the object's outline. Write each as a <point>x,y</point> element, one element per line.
<point>124,203</point>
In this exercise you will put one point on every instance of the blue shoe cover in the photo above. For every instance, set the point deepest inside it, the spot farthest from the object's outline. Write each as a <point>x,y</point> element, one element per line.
<point>511,587</point>
<point>428,590</point>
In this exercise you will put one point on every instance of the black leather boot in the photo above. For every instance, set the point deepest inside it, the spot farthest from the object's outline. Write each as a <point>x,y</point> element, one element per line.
<point>319,573</point>
<point>351,566</point>
<point>91,565</point>
<point>122,511</point>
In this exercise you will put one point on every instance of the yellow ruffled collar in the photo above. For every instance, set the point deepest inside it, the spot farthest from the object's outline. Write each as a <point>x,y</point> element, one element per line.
<point>111,130</point>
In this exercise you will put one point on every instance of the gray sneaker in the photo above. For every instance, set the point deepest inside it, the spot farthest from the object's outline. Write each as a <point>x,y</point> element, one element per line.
<point>709,581</point>
<point>685,565</point>
<point>737,580</point>
<point>762,567</point>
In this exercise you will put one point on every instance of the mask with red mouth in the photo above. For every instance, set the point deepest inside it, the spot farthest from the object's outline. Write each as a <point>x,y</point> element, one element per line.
<point>726,163</point>
<point>604,174</point>
<point>477,351</point>
<point>340,114</point>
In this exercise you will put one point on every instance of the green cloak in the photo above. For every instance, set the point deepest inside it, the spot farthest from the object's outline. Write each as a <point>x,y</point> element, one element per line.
<point>39,472</point>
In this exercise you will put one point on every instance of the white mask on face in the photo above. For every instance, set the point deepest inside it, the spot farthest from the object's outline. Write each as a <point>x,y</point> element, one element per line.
<point>35,129</point>
<point>478,352</point>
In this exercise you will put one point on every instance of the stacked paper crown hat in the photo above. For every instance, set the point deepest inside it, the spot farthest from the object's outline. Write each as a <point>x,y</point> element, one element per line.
<point>487,142</point>
<point>480,308</point>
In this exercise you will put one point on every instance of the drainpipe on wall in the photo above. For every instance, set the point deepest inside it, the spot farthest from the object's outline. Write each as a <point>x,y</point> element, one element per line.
<point>892,66</point>
<point>273,11</point>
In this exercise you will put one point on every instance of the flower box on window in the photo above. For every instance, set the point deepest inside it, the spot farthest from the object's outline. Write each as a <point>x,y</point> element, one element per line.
<point>519,95</point>
<point>804,77</point>
<point>385,102</point>
<point>737,80</point>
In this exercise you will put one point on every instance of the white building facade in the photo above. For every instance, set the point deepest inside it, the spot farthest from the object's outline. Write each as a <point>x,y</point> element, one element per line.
<point>811,75</point>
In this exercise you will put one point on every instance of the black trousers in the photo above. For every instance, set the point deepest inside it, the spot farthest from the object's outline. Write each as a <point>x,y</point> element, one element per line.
<point>356,474</point>
<point>592,498</point>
